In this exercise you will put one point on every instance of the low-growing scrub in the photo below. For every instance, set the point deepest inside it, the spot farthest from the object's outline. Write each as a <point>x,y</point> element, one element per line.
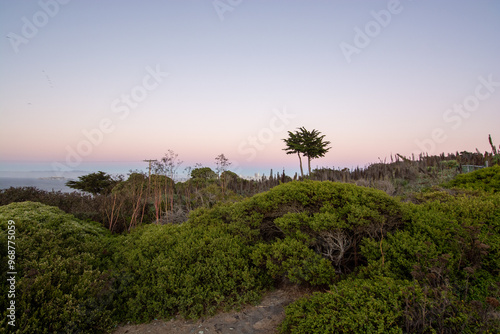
<point>487,179</point>
<point>116,213</point>
<point>329,218</point>
<point>382,305</point>
<point>351,306</point>
<point>62,282</point>
<point>450,246</point>
<point>82,206</point>
<point>292,260</point>
<point>164,270</point>
<point>377,264</point>
<point>440,269</point>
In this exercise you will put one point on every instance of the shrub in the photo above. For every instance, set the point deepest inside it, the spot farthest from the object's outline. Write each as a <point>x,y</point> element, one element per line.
<point>82,206</point>
<point>329,218</point>
<point>464,226</point>
<point>438,310</point>
<point>61,282</point>
<point>378,304</point>
<point>119,211</point>
<point>164,270</point>
<point>290,259</point>
<point>487,179</point>
<point>449,248</point>
<point>351,306</point>
<point>422,267</point>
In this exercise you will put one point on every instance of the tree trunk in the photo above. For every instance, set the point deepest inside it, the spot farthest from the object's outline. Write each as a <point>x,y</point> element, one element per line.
<point>309,165</point>
<point>300,160</point>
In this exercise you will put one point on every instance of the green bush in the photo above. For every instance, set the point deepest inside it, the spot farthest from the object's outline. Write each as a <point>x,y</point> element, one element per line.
<point>61,283</point>
<point>487,179</point>
<point>203,173</point>
<point>291,259</point>
<point>464,226</point>
<point>329,218</point>
<point>82,206</point>
<point>423,267</point>
<point>352,306</point>
<point>378,304</point>
<point>88,207</point>
<point>429,309</point>
<point>450,248</point>
<point>164,270</point>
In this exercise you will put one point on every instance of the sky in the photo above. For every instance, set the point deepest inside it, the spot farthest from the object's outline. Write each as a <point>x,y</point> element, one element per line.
<point>95,83</point>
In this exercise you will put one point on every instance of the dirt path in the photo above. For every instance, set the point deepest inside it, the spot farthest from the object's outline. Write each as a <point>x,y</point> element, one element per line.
<point>261,319</point>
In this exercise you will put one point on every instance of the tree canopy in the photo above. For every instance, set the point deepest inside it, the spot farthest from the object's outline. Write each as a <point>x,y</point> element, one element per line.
<point>204,173</point>
<point>308,143</point>
<point>95,183</point>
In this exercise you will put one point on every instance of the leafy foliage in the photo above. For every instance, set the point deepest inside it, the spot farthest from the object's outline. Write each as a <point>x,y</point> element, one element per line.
<point>94,183</point>
<point>379,304</point>
<point>203,173</point>
<point>450,247</point>
<point>293,260</point>
<point>440,265</point>
<point>168,269</point>
<point>294,145</point>
<point>327,218</point>
<point>352,306</point>
<point>82,206</point>
<point>309,143</point>
<point>136,182</point>
<point>426,266</point>
<point>314,146</point>
<point>487,179</point>
<point>62,283</point>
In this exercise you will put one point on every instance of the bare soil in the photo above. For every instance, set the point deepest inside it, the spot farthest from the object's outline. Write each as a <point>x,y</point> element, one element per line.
<point>264,318</point>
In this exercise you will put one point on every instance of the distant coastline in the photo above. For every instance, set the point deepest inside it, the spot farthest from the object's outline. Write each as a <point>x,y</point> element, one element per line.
<point>42,183</point>
<point>53,178</point>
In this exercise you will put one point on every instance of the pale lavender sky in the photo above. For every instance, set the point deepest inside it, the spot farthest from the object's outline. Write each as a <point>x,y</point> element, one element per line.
<point>97,81</point>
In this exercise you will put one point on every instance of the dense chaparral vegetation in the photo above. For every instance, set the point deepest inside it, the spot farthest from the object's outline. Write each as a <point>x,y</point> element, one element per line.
<point>410,246</point>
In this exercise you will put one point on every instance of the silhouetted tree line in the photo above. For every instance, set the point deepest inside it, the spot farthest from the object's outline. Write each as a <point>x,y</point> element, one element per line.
<point>402,167</point>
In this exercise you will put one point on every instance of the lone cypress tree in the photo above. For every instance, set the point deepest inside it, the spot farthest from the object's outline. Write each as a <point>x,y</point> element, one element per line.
<point>314,146</point>
<point>308,143</point>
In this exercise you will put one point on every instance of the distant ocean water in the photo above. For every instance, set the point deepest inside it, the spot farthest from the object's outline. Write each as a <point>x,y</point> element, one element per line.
<point>40,183</point>
<point>44,177</point>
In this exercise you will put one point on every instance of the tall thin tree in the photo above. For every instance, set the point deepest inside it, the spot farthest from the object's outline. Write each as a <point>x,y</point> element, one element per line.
<point>294,146</point>
<point>222,163</point>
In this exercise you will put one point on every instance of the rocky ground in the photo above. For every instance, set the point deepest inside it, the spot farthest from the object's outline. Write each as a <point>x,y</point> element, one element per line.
<point>261,319</point>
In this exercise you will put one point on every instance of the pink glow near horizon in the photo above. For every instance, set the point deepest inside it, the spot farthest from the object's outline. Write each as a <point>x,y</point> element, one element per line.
<point>175,76</point>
